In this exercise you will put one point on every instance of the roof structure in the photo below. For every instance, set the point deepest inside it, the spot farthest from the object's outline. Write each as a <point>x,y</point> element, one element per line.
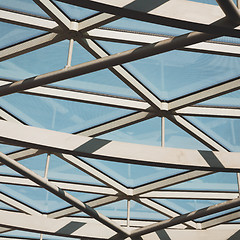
<point>119,119</point>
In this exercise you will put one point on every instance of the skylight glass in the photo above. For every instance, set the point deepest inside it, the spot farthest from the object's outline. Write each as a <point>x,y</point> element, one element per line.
<point>176,73</point>
<point>25,6</point>
<point>56,114</point>
<point>13,34</point>
<point>74,12</point>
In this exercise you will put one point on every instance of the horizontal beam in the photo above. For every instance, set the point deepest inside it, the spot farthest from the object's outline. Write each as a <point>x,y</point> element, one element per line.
<point>170,13</point>
<point>108,61</point>
<point>58,227</point>
<point>210,47</point>
<point>207,111</point>
<point>33,137</point>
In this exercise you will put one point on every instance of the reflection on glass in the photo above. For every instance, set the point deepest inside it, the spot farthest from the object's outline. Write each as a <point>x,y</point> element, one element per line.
<point>36,198</point>
<point>63,171</point>
<point>175,137</point>
<point>12,34</point>
<point>56,114</point>
<point>131,175</point>
<point>214,182</point>
<point>177,73</point>
<point>74,12</point>
<point>224,130</point>
<point>26,6</point>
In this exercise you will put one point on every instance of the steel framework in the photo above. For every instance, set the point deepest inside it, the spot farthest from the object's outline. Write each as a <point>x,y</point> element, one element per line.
<point>206,23</point>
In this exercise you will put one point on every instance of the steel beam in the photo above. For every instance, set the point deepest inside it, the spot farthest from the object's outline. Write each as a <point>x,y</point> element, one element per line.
<point>123,74</point>
<point>30,45</point>
<point>78,163</point>
<point>53,11</point>
<point>209,47</point>
<point>205,94</point>
<point>170,13</point>
<point>108,61</point>
<point>163,210</point>
<point>60,193</point>
<point>187,217</point>
<point>170,181</point>
<point>230,9</point>
<point>28,21</point>
<point>117,151</point>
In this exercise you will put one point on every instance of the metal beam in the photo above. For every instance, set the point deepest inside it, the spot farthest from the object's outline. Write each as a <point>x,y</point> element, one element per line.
<point>170,181</point>
<point>187,217</point>
<point>57,227</point>
<point>96,21</point>
<point>78,163</point>
<point>28,21</point>
<point>33,137</point>
<point>53,11</point>
<point>163,210</point>
<point>219,220</point>
<point>128,37</point>
<point>205,94</point>
<point>206,111</point>
<point>230,9</point>
<point>170,13</point>
<point>108,61</point>
<point>60,193</point>
<point>30,45</point>
<point>122,73</point>
<point>179,194</point>
<point>92,203</point>
<point>77,187</point>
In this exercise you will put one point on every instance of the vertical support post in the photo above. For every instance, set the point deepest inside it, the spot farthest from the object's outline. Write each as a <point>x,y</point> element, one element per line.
<point>70,51</point>
<point>41,236</point>
<point>128,212</point>
<point>238,3</point>
<point>163,132</point>
<point>238,180</point>
<point>47,166</point>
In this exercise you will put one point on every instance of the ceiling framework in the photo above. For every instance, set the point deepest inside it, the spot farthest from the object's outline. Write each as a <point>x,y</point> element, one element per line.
<point>172,206</point>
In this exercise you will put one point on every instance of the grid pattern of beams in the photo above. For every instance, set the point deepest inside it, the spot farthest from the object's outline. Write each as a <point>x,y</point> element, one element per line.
<point>208,22</point>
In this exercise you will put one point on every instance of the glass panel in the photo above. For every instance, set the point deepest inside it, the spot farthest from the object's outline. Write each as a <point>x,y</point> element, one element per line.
<point>212,2</point>
<point>131,175</point>
<point>224,130</point>
<point>12,34</point>
<point>59,115</point>
<point>36,164</point>
<point>177,73</point>
<point>140,26</point>
<point>183,206</point>
<point>47,59</point>
<point>101,81</point>
<point>63,171</point>
<point>26,6</point>
<point>214,182</point>
<point>138,211</point>
<point>36,198</point>
<point>5,206</point>
<point>147,132</point>
<point>175,137</point>
<point>230,100</point>
<point>75,12</point>
<point>17,234</point>
<point>84,197</point>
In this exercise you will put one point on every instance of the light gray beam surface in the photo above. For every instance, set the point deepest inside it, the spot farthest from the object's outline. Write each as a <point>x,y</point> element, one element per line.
<point>117,151</point>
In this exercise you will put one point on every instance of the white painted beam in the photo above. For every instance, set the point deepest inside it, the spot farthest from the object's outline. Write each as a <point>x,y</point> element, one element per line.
<point>117,151</point>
